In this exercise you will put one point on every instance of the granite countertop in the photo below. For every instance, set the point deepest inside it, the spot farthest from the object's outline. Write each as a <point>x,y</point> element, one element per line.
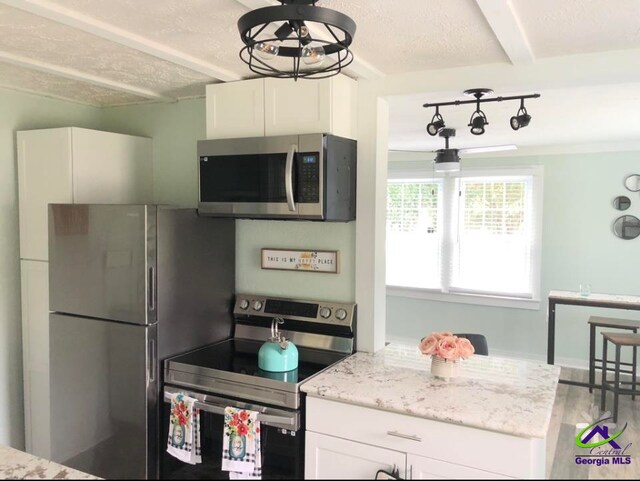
<point>502,395</point>
<point>16,464</point>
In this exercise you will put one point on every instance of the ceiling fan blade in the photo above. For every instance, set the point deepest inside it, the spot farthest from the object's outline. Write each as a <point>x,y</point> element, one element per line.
<point>494,148</point>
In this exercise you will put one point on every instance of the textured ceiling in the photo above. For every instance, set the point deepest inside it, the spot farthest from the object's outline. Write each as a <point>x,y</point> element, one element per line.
<point>413,35</point>
<point>566,27</point>
<point>393,37</point>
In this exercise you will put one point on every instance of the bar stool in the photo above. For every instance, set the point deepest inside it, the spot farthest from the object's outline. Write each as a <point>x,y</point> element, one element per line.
<point>608,322</point>
<point>619,340</point>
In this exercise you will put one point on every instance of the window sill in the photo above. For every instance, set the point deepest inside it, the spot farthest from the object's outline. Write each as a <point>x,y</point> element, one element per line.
<point>481,300</point>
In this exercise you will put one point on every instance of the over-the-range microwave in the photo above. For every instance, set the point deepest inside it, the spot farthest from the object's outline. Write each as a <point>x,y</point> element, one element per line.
<point>309,176</point>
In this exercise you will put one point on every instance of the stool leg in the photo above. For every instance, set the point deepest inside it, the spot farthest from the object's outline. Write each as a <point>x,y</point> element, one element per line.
<point>634,369</point>
<point>603,389</point>
<point>592,357</point>
<point>616,390</point>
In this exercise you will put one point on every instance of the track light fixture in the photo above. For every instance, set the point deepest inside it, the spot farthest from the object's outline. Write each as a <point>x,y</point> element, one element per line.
<point>521,119</point>
<point>437,124</point>
<point>478,120</point>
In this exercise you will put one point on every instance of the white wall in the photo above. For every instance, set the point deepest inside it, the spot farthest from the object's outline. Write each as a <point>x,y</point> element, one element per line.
<point>20,112</point>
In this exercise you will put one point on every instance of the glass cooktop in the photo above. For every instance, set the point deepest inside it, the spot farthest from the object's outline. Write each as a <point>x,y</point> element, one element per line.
<point>240,357</point>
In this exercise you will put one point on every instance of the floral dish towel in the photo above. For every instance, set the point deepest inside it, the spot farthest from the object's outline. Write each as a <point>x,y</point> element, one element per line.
<point>184,429</point>
<point>241,450</point>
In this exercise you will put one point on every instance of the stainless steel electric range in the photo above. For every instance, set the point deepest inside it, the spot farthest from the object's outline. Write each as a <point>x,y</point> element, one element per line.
<point>227,374</point>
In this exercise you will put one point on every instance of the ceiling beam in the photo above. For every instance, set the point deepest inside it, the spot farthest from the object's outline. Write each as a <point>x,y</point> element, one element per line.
<point>506,26</point>
<point>72,18</point>
<point>359,68</point>
<point>77,75</point>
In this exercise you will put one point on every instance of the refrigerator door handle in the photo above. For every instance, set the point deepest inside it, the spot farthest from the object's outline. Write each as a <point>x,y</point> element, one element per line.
<point>152,289</point>
<point>151,369</point>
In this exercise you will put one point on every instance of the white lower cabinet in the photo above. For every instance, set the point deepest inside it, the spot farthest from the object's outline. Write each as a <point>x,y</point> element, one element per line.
<point>327,457</point>
<point>348,441</point>
<point>419,467</point>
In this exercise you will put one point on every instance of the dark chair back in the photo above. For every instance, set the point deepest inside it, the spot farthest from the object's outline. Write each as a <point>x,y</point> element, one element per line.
<point>479,343</point>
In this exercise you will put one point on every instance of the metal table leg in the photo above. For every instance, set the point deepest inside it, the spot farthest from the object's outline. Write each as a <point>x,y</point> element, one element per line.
<point>551,334</point>
<point>603,390</point>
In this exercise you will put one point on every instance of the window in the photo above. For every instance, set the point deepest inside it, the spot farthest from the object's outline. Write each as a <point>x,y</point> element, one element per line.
<point>472,234</point>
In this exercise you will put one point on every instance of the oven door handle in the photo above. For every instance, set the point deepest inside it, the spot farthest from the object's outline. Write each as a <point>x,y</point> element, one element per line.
<point>288,177</point>
<point>219,408</point>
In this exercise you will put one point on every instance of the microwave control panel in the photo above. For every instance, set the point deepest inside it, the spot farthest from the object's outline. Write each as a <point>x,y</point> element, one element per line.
<point>308,177</point>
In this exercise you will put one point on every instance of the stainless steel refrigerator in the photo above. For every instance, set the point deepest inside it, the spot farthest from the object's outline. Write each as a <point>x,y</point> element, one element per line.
<point>130,285</point>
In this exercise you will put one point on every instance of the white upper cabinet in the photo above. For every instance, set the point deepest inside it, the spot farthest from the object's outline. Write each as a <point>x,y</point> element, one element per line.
<point>268,107</point>
<point>311,106</point>
<point>235,109</point>
<point>73,165</point>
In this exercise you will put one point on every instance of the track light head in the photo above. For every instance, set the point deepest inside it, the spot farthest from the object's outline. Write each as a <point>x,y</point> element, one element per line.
<point>437,124</point>
<point>478,122</point>
<point>521,119</point>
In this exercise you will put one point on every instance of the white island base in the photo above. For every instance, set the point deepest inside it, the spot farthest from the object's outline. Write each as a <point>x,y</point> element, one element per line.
<point>353,442</point>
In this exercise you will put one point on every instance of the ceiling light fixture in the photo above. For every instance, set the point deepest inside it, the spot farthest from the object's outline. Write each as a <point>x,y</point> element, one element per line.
<point>437,124</point>
<point>278,40</point>
<point>478,120</point>
<point>447,160</point>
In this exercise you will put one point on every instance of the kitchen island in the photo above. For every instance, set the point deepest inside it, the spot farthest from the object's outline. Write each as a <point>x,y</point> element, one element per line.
<point>386,410</point>
<point>16,464</point>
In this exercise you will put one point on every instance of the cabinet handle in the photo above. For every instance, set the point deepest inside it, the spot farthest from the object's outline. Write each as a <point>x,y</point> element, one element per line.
<point>396,434</point>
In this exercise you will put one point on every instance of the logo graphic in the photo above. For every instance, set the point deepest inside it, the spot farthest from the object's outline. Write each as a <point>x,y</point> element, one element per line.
<point>603,444</point>
<point>603,431</point>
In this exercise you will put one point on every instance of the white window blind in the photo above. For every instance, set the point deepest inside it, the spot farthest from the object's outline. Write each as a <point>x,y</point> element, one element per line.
<point>414,233</point>
<point>494,243</point>
<point>472,233</point>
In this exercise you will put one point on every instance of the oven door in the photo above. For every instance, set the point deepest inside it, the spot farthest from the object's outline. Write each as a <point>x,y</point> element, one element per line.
<point>248,177</point>
<point>282,440</point>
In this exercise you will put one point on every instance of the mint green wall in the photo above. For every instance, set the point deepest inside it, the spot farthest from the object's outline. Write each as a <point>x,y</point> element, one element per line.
<point>578,247</point>
<point>175,129</point>
<point>20,111</point>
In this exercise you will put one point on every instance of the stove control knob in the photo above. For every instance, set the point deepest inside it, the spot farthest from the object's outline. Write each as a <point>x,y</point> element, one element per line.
<point>257,305</point>
<point>325,312</point>
<point>244,304</point>
<point>341,314</point>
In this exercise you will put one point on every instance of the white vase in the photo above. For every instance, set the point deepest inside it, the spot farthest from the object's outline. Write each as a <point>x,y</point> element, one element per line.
<point>443,368</point>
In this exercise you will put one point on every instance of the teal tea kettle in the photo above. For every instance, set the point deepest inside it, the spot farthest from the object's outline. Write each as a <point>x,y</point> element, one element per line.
<point>278,354</point>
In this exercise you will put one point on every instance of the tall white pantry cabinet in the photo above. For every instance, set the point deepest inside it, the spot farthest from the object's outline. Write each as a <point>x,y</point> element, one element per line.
<point>64,165</point>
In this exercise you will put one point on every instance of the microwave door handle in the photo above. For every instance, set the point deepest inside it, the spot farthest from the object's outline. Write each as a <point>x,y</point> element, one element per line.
<point>288,178</point>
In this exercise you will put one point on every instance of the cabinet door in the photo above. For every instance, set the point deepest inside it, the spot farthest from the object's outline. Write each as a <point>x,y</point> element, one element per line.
<point>44,176</point>
<point>35,345</point>
<point>111,168</point>
<point>327,457</point>
<point>235,109</point>
<point>426,468</point>
<point>302,107</point>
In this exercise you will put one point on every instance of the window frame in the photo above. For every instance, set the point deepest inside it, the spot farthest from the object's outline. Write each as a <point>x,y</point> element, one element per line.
<point>450,211</point>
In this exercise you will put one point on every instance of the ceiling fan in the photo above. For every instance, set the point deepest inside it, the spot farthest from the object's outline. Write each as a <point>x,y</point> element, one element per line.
<point>448,160</point>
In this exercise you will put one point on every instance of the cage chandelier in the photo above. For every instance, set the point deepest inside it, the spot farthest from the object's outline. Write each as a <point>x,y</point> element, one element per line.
<point>296,39</point>
<point>478,120</point>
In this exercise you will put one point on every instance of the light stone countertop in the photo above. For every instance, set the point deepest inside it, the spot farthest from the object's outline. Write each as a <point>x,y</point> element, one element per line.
<point>611,298</point>
<point>497,394</point>
<point>16,464</point>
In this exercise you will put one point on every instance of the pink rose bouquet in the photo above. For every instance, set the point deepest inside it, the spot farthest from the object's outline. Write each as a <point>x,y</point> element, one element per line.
<point>446,346</point>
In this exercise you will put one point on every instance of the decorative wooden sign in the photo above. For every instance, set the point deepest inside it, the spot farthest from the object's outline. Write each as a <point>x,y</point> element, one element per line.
<point>297,260</point>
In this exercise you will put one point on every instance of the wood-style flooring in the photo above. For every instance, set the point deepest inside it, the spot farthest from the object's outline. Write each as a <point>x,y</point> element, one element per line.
<point>575,405</point>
